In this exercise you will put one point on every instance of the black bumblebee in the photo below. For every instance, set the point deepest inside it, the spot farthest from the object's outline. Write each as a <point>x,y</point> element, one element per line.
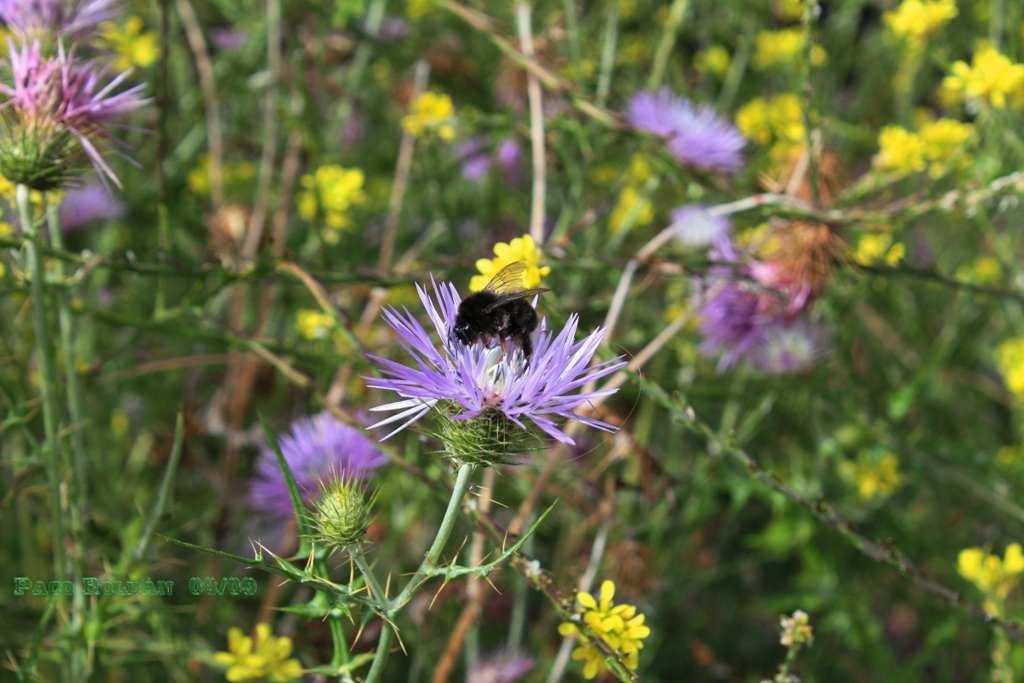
<point>499,312</point>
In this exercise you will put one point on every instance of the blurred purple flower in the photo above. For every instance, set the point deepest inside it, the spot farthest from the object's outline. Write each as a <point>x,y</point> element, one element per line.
<point>33,18</point>
<point>88,204</point>
<point>229,38</point>
<point>60,92</point>
<point>475,159</point>
<point>791,347</point>
<point>501,667</point>
<point>476,378</point>
<point>695,226</point>
<point>392,28</point>
<point>510,160</point>
<point>693,134</point>
<point>745,316</point>
<point>315,448</point>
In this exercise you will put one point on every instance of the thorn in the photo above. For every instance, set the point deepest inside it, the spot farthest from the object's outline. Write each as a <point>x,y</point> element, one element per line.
<point>387,586</point>
<point>487,578</point>
<point>438,593</point>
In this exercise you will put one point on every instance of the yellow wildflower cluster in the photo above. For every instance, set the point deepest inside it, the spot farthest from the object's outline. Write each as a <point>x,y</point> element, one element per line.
<point>919,19</point>
<point>933,148</point>
<point>522,249</point>
<point>983,271</point>
<point>232,173</point>
<point>331,192</point>
<point>777,121</point>
<point>618,626</point>
<point>1010,360</point>
<point>418,9</point>
<point>993,576</point>
<point>990,77</point>
<point>875,476</point>
<point>789,10</point>
<point>633,208</point>
<point>313,324</point>
<point>796,630</point>
<point>131,45</point>
<point>265,660</point>
<point>714,60</point>
<point>784,47</point>
<point>431,112</point>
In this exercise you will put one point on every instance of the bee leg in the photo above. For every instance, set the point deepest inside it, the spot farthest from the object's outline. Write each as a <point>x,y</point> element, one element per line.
<point>526,344</point>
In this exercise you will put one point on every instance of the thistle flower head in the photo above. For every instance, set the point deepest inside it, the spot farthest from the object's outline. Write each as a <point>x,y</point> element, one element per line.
<point>315,448</point>
<point>38,18</point>
<point>499,386</point>
<point>52,101</point>
<point>693,134</point>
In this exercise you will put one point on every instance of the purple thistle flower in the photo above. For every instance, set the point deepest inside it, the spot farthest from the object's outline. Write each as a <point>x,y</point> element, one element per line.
<point>695,226</point>
<point>510,159</point>
<point>33,18</point>
<point>88,204</point>
<point>315,448</point>
<point>693,134</point>
<point>501,667</point>
<point>475,159</point>
<point>60,93</point>
<point>477,379</point>
<point>229,38</point>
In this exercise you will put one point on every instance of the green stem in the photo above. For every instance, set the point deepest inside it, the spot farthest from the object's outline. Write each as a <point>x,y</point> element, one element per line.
<point>666,43</point>
<point>380,656</point>
<point>67,347</point>
<point>79,492</point>
<point>47,379</point>
<point>371,578</point>
<point>611,34</point>
<point>444,532</point>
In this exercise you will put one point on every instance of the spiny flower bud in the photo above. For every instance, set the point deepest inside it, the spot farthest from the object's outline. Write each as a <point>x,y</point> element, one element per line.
<point>488,439</point>
<point>36,156</point>
<point>342,513</point>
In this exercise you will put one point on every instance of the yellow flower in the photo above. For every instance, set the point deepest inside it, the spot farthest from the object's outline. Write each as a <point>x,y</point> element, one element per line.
<point>878,247</point>
<point>783,47</point>
<point>5,229</point>
<point>714,60</point>
<point>776,121</point>
<point>266,659</point>
<point>632,210</point>
<point>131,45</point>
<point>618,626</point>
<point>919,19</point>
<point>1010,361</point>
<point>991,77</point>
<point>875,476</point>
<point>431,112</point>
<point>789,10</point>
<point>899,151</point>
<point>984,271</point>
<point>331,192</point>
<point>522,249</point>
<point>233,173</point>
<point>313,324</point>
<point>639,170</point>
<point>993,576</point>
<point>417,9</point>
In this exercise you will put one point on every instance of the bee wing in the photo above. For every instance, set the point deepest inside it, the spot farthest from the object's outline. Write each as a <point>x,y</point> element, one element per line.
<point>508,280</point>
<point>514,296</point>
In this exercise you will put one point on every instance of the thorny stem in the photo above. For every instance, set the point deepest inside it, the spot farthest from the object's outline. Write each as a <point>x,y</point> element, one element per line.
<point>79,492</point>
<point>48,380</point>
<point>444,532</point>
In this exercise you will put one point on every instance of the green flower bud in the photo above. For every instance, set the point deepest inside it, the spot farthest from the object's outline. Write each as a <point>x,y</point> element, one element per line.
<point>343,513</point>
<point>487,439</point>
<point>37,156</point>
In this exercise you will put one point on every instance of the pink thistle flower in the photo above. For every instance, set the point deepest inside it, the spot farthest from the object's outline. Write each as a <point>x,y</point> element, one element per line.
<point>55,98</point>
<point>35,18</point>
